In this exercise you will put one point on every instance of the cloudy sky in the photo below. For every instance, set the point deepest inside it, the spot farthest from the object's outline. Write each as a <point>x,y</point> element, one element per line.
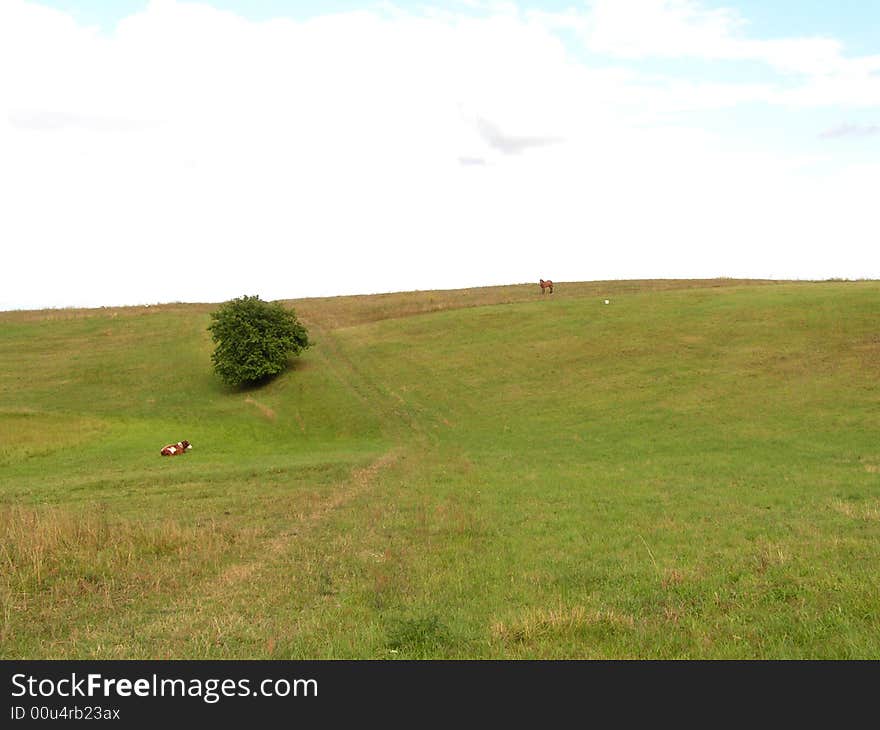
<point>179,151</point>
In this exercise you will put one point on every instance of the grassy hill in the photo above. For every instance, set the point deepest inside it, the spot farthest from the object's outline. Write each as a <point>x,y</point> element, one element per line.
<point>690,471</point>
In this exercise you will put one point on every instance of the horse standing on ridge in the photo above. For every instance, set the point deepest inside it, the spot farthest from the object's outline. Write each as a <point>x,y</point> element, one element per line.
<point>546,285</point>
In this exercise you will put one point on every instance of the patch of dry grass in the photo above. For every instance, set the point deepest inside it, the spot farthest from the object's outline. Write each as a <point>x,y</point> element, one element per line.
<point>537,623</point>
<point>868,509</point>
<point>58,562</point>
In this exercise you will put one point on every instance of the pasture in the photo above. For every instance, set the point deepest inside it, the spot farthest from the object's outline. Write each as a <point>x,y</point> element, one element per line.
<point>692,471</point>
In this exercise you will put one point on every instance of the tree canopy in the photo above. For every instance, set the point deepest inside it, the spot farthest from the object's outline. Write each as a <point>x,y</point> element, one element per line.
<point>254,339</point>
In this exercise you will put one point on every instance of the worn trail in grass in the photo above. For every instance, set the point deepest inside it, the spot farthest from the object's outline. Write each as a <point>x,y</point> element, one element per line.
<point>690,471</point>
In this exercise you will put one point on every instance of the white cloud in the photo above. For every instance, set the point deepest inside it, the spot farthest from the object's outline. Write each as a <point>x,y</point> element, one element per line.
<point>193,155</point>
<point>671,28</point>
<point>821,75</point>
<point>685,28</point>
<point>851,131</point>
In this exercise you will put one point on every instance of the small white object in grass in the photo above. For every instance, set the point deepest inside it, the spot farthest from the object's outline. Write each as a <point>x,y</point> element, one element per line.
<point>607,302</point>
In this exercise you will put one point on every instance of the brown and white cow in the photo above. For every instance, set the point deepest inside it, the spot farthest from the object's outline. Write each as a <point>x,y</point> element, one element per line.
<point>181,447</point>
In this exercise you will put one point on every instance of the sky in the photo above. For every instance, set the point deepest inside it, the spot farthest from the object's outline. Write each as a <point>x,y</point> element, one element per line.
<point>168,151</point>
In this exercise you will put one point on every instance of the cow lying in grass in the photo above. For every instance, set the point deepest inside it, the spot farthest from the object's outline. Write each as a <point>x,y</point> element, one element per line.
<point>181,447</point>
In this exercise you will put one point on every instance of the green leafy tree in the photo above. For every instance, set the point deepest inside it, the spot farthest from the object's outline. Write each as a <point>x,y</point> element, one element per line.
<point>254,339</point>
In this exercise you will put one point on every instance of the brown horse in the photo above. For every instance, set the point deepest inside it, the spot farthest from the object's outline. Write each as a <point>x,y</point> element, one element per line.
<point>546,285</point>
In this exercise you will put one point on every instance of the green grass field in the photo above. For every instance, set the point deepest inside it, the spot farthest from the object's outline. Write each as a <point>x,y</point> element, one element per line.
<point>692,471</point>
